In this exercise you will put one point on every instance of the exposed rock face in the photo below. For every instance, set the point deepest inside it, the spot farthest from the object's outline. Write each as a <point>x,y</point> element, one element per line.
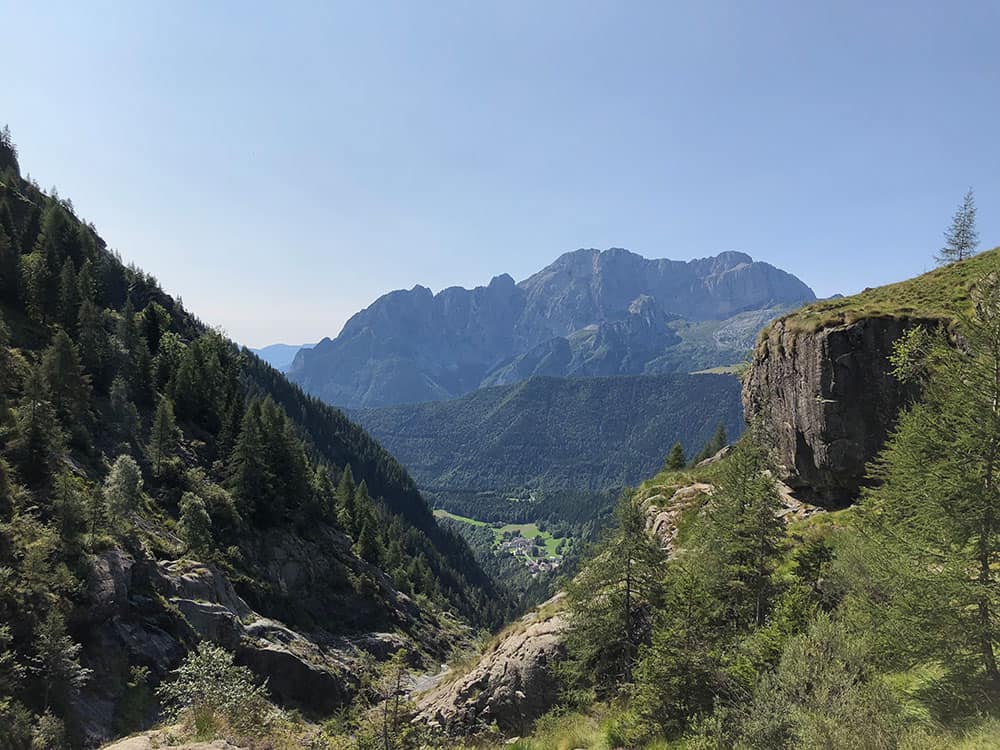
<point>164,738</point>
<point>588,313</point>
<point>512,684</point>
<point>830,400</point>
<point>151,613</point>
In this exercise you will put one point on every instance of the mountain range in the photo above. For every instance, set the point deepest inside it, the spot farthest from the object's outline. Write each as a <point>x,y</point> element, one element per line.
<point>280,356</point>
<point>589,313</point>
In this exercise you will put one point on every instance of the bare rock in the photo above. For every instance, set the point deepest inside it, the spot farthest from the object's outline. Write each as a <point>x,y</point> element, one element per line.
<point>512,684</point>
<point>163,738</point>
<point>830,400</point>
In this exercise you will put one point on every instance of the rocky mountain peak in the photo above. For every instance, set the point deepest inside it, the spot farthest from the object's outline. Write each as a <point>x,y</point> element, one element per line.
<point>417,346</point>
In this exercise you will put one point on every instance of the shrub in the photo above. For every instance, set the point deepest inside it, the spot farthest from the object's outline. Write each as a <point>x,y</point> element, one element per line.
<point>208,687</point>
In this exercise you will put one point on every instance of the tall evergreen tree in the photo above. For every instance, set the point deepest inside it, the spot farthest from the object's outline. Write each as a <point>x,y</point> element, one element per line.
<point>86,286</point>
<point>719,441</point>
<point>69,296</point>
<point>675,459</point>
<point>69,386</point>
<point>162,436</point>
<point>962,238</point>
<point>741,539</point>
<point>612,602</point>
<point>10,267</point>
<point>253,483</point>
<point>123,489</point>
<point>94,344</point>
<point>124,414</point>
<point>346,506</point>
<point>195,523</point>
<point>57,660</point>
<point>39,439</point>
<point>934,522</point>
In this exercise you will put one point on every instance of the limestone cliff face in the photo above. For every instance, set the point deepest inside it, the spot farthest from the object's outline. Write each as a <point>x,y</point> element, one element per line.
<point>829,400</point>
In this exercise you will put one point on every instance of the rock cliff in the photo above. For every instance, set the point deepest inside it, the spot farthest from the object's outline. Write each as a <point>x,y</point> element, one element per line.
<point>512,683</point>
<point>828,398</point>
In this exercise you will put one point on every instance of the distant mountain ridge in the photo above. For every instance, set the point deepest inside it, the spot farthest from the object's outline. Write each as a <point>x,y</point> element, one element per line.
<point>590,312</point>
<point>280,356</point>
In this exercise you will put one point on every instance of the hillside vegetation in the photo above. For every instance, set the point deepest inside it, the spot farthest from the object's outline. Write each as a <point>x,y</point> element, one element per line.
<point>548,434</point>
<point>768,624</point>
<point>136,443</point>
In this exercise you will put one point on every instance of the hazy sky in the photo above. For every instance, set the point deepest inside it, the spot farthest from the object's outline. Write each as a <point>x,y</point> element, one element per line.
<point>279,167</point>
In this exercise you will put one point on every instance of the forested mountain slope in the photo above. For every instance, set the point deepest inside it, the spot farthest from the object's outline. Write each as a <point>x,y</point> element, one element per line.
<point>588,313</point>
<point>159,485</point>
<point>587,434</point>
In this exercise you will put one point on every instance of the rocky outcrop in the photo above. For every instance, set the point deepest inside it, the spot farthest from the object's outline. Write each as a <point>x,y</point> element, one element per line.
<point>665,506</point>
<point>828,400</point>
<point>511,685</point>
<point>161,738</point>
<point>590,312</point>
<point>141,612</point>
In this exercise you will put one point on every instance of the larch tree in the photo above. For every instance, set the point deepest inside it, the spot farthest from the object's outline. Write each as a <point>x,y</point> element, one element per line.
<point>123,488</point>
<point>162,436</point>
<point>962,238</point>
<point>195,523</point>
<point>675,459</point>
<point>612,603</point>
<point>934,521</point>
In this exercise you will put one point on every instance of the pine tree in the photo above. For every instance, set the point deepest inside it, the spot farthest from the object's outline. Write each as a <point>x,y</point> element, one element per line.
<point>124,414</point>
<point>123,489</point>
<point>741,537</point>
<point>612,601</point>
<point>195,523</point>
<point>346,507</point>
<point>69,296</point>
<point>367,547</point>
<point>56,659</point>
<point>10,267</point>
<point>675,459</point>
<point>35,280</point>
<point>39,439</point>
<point>324,496</point>
<point>69,509</point>
<point>718,590</point>
<point>6,376</point>
<point>86,287</point>
<point>678,677</point>
<point>934,522</point>
<point>94,344</point>
<point>162,436</point>
<point>69,387</point>
<point>253,483</point>
<point>719,441</point>
<point>961,239</point>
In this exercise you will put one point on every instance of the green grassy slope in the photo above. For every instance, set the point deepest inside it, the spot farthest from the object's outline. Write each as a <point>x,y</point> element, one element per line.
<point>942,293</point>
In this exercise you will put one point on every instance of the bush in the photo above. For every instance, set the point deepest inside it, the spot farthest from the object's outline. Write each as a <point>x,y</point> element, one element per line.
<point>209,690</point>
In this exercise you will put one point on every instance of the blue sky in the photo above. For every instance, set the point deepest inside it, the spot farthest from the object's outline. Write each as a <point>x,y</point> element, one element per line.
<point>279,166</point>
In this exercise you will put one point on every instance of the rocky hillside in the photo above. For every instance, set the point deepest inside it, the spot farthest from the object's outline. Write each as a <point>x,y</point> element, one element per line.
<point>160,486</point>
<point>821,380</point>
<point>588,313</point>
